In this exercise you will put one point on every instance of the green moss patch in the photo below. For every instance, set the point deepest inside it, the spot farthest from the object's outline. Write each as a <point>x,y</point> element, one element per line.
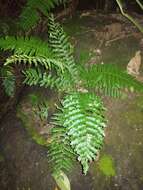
<point>28,124</point>
<point>1,158</point>
<point>106,166</point>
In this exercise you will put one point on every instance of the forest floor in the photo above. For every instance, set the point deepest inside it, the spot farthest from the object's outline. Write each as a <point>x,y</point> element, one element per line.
<point>23,163</point>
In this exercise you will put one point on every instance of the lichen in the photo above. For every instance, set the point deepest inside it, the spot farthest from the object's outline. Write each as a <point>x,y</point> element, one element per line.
<point>106,166</point>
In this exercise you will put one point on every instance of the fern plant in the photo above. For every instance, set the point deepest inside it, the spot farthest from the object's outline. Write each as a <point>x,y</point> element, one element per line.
<point>8,80</point>
<point>25,46</point>
<point>82,117</point>
<point>109,79</point>
<point>34,9</point>
<point>48,67</point>
<point>62,50</point>
<point>60,154</point>
<point>35,77</point>
<point>78,131</point>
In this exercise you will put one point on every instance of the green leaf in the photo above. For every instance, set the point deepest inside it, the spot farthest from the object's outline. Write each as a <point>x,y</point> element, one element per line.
<point>84,122</point>
<point>109,80</point>
<point>31,12</point>
<point>8,80</point>
<point>63,51</point>
<point>60,155</point>
<point>32,46</point>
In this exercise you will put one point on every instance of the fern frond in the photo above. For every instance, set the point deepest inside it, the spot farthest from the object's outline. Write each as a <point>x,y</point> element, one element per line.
<point>61,47</point>
<point>46,62</point>
<point>28,18</point>
<point>82,117</point>
<point>31,12</point>
<point>46,79</point>
<point>109,79</point>
<point>8,80</point>
<point>24,45</point>
<point>37,77</point>
<point>60,155</point>
<point>32,76</point>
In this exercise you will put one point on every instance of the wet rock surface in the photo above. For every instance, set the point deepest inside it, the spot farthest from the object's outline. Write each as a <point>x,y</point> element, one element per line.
<point>27,166</point>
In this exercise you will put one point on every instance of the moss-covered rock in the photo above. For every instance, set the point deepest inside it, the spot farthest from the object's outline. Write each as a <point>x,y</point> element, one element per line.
<point>106,165</point>
<point>34,111</point>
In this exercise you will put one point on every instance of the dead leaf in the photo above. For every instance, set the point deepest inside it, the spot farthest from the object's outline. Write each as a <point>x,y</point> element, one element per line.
<point>134,64</point>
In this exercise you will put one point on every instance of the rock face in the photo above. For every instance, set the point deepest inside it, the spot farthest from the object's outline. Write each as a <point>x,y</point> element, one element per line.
<point>119,165</point>
<point>26,162</point>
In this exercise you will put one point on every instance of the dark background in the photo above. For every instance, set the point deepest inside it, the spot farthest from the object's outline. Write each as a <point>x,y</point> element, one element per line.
<point>13,8</point>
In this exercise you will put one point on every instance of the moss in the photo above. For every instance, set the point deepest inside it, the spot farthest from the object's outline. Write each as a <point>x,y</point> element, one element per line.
<point>106,166</point>
<point>29,127</point>
<point>139,102</point>
<point>1,158</point>
<point>134,117</point>
<point>73,27</point>
<point>118,52</point>
<point>34,99</point>
<point>84,57</point>
<point>134,114</point>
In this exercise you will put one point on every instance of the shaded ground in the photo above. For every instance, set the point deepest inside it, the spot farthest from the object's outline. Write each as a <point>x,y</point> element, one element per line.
<point>23,163</point>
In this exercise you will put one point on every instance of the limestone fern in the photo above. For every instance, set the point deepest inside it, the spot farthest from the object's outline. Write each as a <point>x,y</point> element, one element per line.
<point>48,65</point>
<point>25,45</point>
<point>78,131</point>
<point>109,80</point>
<point>8,80</point>
<point>60,155</point>
<point>34,9</point>
<point>61,48</point>
<point>82,117</point>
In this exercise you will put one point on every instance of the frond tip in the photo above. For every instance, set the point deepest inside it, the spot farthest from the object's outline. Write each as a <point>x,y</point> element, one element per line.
<point>61,48</point>
<point>82,116</point>
<point>60,155</point>
<point>34,8</point>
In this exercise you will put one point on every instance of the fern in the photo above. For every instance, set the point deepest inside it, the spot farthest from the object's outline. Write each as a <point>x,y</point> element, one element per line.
<point>82,117</point>
<point>36,61</point>
<point>109,79</point>
<point>51,67</point>
<point>60,155</point>
<point>43,109</point>
<point>28,46</point>
<point>61,48</point>
<point>80,122</point>
<point>31,12</point>
<point>36,77</point>
<point>46,79</point>
<point>8,80</point>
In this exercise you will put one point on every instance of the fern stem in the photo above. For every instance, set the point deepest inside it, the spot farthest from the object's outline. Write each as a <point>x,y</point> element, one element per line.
<point>140,4</point>
<point>140,28</point>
